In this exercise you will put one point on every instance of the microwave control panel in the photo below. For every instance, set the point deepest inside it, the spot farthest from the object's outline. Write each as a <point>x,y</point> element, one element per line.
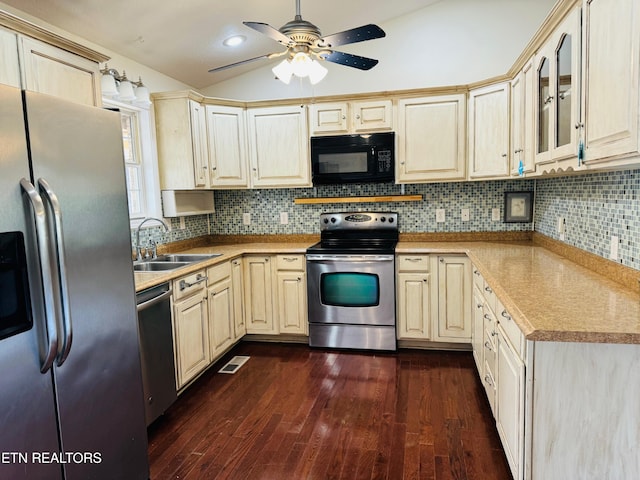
<point>384,161</point>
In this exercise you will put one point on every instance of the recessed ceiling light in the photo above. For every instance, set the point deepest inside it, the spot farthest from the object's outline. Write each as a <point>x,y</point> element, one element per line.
<point>234,41</point>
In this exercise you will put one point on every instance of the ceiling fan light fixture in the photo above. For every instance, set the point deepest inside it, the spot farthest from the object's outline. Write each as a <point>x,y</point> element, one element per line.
<point>316,72</point>
<point>283,71</point>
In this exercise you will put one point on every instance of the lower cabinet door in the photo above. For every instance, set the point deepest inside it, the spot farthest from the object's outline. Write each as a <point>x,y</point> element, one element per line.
<point>454,299</point>
<point>510,404</point>
<point>221,328</point>
<point>292,302</point>
<point>414,306</point>
<point>191,338</point>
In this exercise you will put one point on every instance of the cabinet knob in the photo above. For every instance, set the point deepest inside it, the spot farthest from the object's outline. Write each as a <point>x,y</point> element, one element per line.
<point>425,280</point>
<point>487,316</point>
<point>299,279</point>
<point>548,100</point>
<point>442,260</point>
<point>358,117</point>
<point>506,315</point>
<point>504,155</point>
<point>488,346</point>
<point>488,289</point>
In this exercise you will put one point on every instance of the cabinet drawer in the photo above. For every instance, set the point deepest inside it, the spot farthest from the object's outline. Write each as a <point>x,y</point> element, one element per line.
<point>413,263</point>
<point>478,279</point>
<point>489,345</point>
<point>511,330</point>
<point>489,296</point>
<point>290,262</point>
<point>189,285</point>
<point>218,272</point>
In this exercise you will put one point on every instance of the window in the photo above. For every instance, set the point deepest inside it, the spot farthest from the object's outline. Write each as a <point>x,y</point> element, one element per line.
<point>133,164</point>
<point>143,189</point>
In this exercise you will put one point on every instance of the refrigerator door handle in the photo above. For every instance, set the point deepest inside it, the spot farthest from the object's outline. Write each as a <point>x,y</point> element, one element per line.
<point>48,330</point>
<point>67,327</point>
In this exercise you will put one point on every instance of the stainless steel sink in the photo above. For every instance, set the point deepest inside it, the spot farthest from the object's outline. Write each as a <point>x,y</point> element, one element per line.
<point>153,266</point>
<point>185,257</point>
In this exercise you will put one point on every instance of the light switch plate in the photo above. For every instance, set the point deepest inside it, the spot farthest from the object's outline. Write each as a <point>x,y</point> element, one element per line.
<point>284,218</point>
<point>440,215</point>
<point>246,219</point>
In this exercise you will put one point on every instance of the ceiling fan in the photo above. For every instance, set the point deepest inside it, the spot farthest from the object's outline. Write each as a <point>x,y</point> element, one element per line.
<point>305,45</point>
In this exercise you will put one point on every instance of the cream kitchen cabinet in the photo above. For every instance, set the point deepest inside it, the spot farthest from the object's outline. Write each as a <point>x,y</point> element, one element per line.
<point>488,129</point>
<point>414,297</point>
<point>227,146</point>
<point>477,330</point>
<point>351,117</point>
<point>509,413</point>
<point>557,74</point>
<point>279,147</point>
<point>522,153</point>
<point>221,309</point>
<point>431,139</point>
<point>190,327</point>
<point>291,294</point>
<point>10,71</point>
<point>259,288</point>
<point>182,142</point>
<point>454,299</point>
<point>238,298</point>
<point>611,81</point>
<point>51,70</point>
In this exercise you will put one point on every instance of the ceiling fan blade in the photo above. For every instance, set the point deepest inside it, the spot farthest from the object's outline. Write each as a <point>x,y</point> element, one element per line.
<point>270,32</point>
<point>242,62</point>
<point>349,60</point>
<point>355,35</point>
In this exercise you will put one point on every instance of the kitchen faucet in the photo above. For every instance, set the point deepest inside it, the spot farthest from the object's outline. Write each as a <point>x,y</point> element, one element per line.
<point>138,247</point>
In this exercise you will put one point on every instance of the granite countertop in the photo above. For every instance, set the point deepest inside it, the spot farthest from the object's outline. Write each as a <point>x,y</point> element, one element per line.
<point>549,297</point>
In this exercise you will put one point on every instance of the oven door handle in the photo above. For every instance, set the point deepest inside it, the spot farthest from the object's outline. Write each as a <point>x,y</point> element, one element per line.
<point>349,258</point>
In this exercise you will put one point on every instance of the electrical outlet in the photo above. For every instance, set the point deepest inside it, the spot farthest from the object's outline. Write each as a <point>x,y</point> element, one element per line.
<point>182,225</point>
<point>613,254</point>
<point>495,214</point>
<point>284,218</point>
<point>561,225</point>
<point>440,215</point>
<point>464,214</point>
<point>246,219</point>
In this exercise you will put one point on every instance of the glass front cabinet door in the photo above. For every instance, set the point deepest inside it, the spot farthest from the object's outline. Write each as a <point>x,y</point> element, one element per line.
<point>558,93</point>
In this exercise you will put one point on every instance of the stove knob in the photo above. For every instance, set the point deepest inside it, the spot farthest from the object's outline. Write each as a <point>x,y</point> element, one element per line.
<point>383,219</point>
<point>326,220</point>
<point>333,220</point>
<point>390,219</point>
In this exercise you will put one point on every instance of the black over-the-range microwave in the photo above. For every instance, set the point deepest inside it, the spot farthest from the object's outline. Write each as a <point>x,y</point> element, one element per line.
<point>365,158</point>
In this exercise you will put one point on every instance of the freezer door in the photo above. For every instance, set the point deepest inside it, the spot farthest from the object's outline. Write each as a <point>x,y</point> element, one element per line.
<point>27,407</point>
<point>77,151</point>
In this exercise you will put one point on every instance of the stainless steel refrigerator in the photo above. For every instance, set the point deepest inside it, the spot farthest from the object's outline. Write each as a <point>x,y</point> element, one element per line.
<point>71,402</point>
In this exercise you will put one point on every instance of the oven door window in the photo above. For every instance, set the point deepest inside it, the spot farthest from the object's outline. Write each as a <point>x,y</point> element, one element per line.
<point>15,306</point>
<point>350,289</point>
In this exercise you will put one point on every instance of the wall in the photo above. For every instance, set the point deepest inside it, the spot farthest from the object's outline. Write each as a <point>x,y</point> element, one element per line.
<point>595,206</point>
<point>453,42</point>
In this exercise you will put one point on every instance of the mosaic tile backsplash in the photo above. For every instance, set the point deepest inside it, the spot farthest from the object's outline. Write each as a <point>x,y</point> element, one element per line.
<point>265,207</point>
<point>595,207</point>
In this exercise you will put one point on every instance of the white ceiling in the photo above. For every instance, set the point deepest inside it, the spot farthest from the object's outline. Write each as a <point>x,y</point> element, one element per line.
<point>184,39</point>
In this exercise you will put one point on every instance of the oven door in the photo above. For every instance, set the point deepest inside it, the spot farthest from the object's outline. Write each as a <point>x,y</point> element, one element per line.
<point>351,289</point>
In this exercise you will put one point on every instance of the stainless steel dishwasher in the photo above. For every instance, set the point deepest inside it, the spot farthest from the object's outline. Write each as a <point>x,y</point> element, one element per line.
<point>156,350</point>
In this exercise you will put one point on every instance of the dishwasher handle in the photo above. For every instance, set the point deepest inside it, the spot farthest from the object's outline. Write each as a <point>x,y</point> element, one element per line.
<point>150,303</point>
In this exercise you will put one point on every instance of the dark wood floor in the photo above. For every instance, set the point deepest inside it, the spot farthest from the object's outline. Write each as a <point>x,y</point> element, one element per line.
<point>292,412</point>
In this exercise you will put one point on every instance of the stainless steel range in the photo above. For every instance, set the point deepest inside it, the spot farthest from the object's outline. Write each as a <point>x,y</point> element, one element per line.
<point>351,281</point>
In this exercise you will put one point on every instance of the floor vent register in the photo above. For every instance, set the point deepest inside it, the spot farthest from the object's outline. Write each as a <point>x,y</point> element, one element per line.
<point>233,365</point>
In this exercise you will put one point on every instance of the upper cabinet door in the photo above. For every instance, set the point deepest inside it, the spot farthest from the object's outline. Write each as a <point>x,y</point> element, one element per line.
<point>611,82</point>
<point>227,146</point>
<point>199,142</point>
<point>51,70</point>
<point>329,118</point>
<point>351,117</point>
<point>10,71</point>
<point>372,115</point>
<point>558,92</point>
<point>431,139</point>
<point>489,131</point>
<point>279,147</point>
<point>522,116</point>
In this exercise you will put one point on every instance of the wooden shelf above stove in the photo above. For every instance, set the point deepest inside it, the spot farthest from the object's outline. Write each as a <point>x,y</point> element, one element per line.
<point>371,199</point>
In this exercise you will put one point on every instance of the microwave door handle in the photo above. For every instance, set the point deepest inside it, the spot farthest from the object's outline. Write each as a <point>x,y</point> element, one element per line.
<point>48,329</point>
<point>67,327</point>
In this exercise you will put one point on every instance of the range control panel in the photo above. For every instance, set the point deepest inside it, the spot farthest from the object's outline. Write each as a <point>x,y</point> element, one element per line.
<point>359,221</point>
